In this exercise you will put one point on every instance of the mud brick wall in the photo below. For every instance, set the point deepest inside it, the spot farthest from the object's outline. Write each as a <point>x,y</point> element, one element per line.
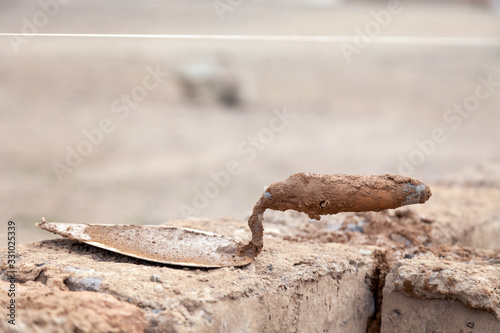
<point>392,271</point>
<point>292,287</point>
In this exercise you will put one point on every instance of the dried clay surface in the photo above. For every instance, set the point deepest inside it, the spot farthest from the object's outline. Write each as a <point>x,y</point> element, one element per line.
<point>444,289</point>
<point>44,309</point>
<point>465,274</point>
<point>282,291</point>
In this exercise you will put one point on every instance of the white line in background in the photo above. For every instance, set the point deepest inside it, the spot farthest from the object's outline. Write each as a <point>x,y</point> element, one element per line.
<point>407,40</point>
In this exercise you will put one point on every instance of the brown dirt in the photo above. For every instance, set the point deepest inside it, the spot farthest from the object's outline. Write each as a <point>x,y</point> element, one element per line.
<point>277,292</point>
<point>463,274</point>
<point>398,232</point>
<point>436,295</point>
<point>44,309</point>
<point>405,234</point>
<point>403,228</point>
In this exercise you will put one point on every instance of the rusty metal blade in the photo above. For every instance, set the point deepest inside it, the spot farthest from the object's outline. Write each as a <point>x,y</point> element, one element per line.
<point>156,243</point>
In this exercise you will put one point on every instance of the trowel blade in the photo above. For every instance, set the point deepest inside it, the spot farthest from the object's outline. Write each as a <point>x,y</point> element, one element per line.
<point>156,243</point>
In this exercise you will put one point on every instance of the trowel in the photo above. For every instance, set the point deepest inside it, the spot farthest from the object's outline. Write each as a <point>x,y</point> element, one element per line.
<point>309,193</point>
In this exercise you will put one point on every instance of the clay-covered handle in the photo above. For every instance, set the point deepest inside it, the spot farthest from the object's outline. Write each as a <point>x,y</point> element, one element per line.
<point>318,195</point>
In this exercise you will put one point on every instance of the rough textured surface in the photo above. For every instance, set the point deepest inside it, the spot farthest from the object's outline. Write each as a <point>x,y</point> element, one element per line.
<point>317,195</point>
<point>472,278</point>
<point>42,309</point>
<point>407,314</point>
<point>465,215</point>
<point>283,290</point>
<point>458,214</point>
<point>467,210</point>
<point>452,290</point>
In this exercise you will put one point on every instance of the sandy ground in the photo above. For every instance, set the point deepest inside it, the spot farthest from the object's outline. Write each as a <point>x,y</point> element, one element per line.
<point>358,117</point>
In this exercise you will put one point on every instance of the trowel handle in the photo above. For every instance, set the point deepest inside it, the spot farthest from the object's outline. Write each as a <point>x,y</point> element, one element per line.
<point>317,195</point>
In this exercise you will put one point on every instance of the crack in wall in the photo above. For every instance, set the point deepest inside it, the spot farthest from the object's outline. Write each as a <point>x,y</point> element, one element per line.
<point>377,283</point>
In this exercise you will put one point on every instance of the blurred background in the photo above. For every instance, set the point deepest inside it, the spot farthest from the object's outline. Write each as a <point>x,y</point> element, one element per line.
<point>142,131</point>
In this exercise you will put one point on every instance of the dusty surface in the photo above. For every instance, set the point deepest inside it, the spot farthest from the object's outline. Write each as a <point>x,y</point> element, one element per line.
<point>403,228</point>
<point>466,214</point>
<point>282,290</point>
<point>465,274</point>
<point>405,314</point>
<point>44,309</point>
<point>460,287</point>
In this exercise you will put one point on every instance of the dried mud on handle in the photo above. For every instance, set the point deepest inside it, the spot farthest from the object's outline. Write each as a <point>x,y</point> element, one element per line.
<point>317,195</point>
